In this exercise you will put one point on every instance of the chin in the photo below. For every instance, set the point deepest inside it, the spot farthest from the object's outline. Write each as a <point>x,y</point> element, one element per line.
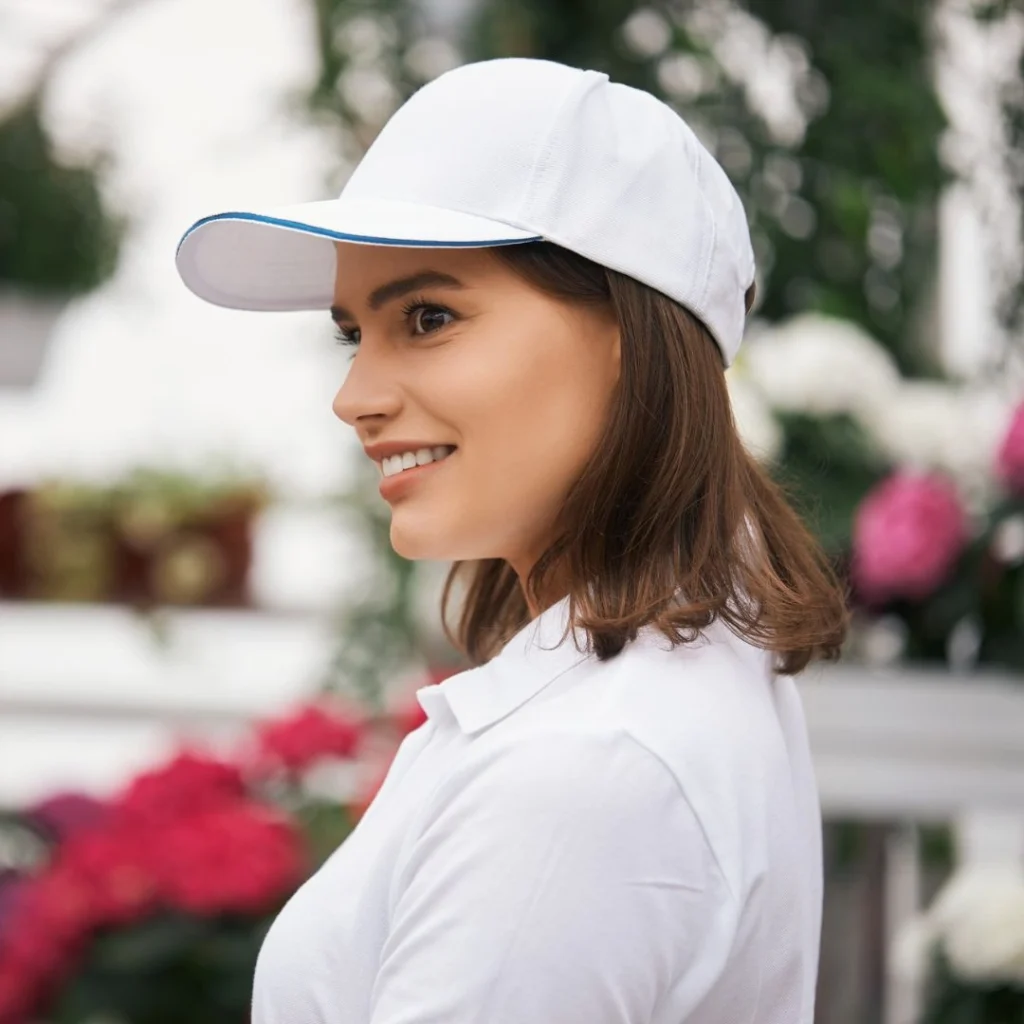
<point>426,538</point>
<point>417,542</point>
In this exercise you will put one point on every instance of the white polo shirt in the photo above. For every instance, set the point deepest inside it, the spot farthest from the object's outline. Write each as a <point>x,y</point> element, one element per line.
<point>566,841</point>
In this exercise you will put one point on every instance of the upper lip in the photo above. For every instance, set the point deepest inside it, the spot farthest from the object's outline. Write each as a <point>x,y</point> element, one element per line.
<point>379,452</point>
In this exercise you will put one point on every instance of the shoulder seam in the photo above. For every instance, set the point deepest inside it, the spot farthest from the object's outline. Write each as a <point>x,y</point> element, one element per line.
<point>693,810</point>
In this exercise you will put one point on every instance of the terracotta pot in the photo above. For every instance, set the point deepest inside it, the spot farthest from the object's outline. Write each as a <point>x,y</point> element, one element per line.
<point>230,529</point>
<point>13,568</point>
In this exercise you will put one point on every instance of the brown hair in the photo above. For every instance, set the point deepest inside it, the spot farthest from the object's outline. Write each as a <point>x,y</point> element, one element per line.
<point>661,505</point>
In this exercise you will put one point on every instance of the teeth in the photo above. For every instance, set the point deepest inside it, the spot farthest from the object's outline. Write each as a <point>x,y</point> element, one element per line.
<point>394,464</point>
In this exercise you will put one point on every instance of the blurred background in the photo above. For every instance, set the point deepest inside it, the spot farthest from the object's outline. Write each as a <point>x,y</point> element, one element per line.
<point>208,651</point>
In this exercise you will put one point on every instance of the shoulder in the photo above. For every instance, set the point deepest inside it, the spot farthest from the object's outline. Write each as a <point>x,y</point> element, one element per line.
<point>706,712</point>
<point>712,698</point>
<point>564,769</point>
<point>595,800</point>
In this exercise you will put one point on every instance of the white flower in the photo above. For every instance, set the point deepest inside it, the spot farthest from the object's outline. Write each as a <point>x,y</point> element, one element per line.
<point>647,32</point>
<point>932,425</point>
<point>883,640</point>
<point>431,57</point>
<point>369,92</point>
<point>979,917</point>
<point>757,427</point>
<point>911,950</point>
<point>821,365</point>
<point>1008,540</point>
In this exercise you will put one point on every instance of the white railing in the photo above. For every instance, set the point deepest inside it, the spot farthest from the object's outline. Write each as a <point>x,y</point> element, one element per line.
<point>914,746</point>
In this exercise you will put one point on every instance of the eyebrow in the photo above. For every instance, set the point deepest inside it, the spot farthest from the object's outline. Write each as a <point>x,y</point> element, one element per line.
<point>401,286</point>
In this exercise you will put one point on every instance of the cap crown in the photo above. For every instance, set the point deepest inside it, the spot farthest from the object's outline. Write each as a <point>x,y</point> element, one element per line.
<point>606,170</point>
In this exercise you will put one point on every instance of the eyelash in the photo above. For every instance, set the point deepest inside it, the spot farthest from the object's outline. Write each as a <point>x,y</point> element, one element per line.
<point>410,307</point>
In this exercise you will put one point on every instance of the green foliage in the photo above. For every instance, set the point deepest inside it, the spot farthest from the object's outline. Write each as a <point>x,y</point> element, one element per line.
<point>56,237</point>
<point>827,467</point>
<point>569,31</point>
<point>165,970</point>
<point>326,825</point>
<point>1011,102</point>
<point>949,1001</point>
<point>870,169</point>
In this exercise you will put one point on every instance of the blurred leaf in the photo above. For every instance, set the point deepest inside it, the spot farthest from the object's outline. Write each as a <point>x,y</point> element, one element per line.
<point>56,236</point>
<point>827,467</point>
<point>167,970</point>
<point>149,944</point>
<point>326,825</point>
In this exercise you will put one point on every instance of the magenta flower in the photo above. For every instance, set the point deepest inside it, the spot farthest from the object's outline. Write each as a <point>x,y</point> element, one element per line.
<point>907,536</point>
<point>1010,459</point>
<point>68,813</point>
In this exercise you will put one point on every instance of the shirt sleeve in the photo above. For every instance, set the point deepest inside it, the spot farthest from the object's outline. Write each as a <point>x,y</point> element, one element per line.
<point>561,879</point>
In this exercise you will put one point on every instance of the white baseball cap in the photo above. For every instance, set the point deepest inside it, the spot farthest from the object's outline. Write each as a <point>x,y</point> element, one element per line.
<point>496,153</point>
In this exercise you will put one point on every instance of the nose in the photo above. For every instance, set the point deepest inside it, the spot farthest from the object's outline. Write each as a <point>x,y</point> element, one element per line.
<point>370,390</point>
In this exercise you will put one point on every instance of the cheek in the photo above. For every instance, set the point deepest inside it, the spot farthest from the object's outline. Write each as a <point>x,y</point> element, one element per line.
<point>526,410</point>
<point>528,425</point>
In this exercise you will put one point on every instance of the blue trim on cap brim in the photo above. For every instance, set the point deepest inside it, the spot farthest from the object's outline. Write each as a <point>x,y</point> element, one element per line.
<point>342,236</point>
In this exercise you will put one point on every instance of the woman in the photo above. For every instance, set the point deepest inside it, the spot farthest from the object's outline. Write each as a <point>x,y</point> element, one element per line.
<point>612,818</point>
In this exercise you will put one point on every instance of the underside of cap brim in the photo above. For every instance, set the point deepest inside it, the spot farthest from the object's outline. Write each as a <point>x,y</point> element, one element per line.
<point>284,259</point>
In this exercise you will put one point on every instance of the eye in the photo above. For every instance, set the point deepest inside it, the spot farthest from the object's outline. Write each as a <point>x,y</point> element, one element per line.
<point>426,317</point>
<point>346,336</point>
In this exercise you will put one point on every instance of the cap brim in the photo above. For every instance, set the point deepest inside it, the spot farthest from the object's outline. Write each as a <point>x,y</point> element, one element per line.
<point>284,259</point>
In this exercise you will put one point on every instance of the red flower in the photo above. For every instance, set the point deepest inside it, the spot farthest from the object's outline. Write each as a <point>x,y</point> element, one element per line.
<point>408,717</point>
<point>307,735</point>
<point>97,877</point>
<point>44,929</point>
<point>242,858</point>
<point>54,912</point>
<point>112,866</point>
<point>17,994</point>
<point>189,784</point>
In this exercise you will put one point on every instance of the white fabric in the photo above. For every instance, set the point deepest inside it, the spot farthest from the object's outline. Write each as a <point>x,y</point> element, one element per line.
<point>568,841</point>
<point>498,152</point>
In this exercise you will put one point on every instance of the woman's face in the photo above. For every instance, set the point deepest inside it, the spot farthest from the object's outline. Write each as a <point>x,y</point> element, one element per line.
<point>456,350</point>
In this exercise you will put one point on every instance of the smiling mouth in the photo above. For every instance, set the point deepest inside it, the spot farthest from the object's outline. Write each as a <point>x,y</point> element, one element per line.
<point>394,465</point>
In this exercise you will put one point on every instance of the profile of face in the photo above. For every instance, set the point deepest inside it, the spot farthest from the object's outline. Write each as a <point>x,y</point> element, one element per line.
<point>453,350</point>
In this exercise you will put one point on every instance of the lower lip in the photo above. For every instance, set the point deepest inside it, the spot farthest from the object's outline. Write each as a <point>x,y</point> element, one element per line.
<point>393,487</point>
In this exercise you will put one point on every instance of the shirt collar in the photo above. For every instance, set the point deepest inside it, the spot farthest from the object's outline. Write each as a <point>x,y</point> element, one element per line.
<point>481,696</point>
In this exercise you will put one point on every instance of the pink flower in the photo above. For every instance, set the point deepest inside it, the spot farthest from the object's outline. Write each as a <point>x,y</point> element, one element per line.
<point>1010,459</point>
<point>307,735</point>
<point>189,784</point>
<point>907,536</point>
<point>66,814</point>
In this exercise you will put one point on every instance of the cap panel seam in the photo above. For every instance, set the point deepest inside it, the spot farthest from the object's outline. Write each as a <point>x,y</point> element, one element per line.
<point>708,254</point>
<point>543,158</point>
